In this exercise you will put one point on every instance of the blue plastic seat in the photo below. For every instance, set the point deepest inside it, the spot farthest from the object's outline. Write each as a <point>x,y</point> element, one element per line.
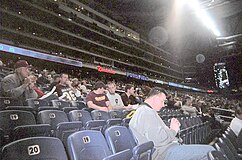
<point>88,145</point>
<point>80,115</point>
<point>64,129</point>
<point>216,155</point>
<point>34,148</point>
<point>100,115</point>
<point>120,138</point>
<point>52,117</point>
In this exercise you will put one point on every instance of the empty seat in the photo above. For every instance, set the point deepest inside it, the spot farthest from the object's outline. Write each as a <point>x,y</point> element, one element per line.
<point>98,125</point>
<point>36,103</point>
<point>222,147</point>
<point>113,122</point>
<point>22,108</point>
<point>100,115</point>
<point>8,101</point>
<point>123,155</point>
<point>51,117</point>
<point>47,108</point>
<point>80,115</point>
<point>10,119</point>
<point>216,155</point>
<point>60,104</point>
<point>1,138</point>
<point>120,138</point>
<point>34,148</point>
<point>26,131</point>
<point>68,109</point>
<point>65,129</point>
<point>79,104</point>
<point>88,145</point>
<point>116,114</point>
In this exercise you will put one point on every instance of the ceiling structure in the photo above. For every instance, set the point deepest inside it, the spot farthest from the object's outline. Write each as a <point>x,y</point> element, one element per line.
<point>183,32</point>
<point>187,34</point>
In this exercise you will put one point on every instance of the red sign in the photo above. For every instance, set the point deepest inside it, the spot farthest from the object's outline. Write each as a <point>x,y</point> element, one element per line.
<point>101,69</point>
<point>210,91</point>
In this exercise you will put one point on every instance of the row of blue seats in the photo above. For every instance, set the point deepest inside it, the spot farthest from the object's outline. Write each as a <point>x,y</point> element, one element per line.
<point>117,143</point>
<point>16,124</point>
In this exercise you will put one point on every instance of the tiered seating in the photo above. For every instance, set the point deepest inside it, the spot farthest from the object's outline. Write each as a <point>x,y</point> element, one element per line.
<point>35,148</point>
<point>92,145</point>
<point>22,122</point>
<point>226,145</point>
<point>119,138</point>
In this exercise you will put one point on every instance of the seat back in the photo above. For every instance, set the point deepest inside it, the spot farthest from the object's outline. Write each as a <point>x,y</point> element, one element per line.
<point>119,138</point>
<point>100,115</point>
<point>26,131</point>
<point>116,114</point>
<point>35,148</point>
<point>88,145</point>
<point>79,104</point>
<point>80,115</point>
<point>97,125</point>
<point>124,155</point>
<point>216,155</point>
<point>224,149</point>
<point>10,119</point>
<point>227,142</point>
<point>8,101</point>
<point>232,137</point>
<point>64,129</point>
<point>60,104</point>
<point>51,117</point>
<point>36,103</point>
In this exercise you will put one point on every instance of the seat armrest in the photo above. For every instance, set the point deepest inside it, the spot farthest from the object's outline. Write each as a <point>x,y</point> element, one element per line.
<point>125,154</point>
<point>143,148</point>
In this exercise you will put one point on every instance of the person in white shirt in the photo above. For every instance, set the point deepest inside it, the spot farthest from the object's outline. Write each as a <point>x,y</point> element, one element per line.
<point>236,123</point>
<point>114,98</point>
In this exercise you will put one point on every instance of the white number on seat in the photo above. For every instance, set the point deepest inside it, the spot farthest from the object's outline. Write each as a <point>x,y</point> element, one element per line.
<point>33,150</point>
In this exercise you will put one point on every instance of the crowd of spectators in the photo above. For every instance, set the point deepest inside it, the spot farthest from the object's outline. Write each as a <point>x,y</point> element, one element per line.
<point>25,82</point>
<point>131,93</point>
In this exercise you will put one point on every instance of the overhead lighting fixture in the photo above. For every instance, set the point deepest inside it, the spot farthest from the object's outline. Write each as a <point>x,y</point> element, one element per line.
<point>227,44</point>
<point>202,14</point>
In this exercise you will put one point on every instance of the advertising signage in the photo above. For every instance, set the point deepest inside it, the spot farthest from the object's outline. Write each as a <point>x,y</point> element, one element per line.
<point>137,76</point>
<point>39,55</point>
<point>101,69</point>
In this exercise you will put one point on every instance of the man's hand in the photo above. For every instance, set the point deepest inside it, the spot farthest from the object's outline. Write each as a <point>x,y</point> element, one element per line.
<point>175,125</point>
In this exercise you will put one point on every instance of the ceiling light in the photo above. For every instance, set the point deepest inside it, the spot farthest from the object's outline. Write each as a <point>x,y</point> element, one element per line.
<point>202,14</point>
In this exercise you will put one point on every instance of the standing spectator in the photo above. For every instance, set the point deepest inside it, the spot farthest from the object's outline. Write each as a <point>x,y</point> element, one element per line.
<point>146,125</point>
<point>20,84</point>
<point>236,123</point>
<point>97,99</point>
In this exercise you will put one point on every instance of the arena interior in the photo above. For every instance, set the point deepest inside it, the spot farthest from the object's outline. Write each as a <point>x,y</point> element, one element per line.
<point>121,80</point>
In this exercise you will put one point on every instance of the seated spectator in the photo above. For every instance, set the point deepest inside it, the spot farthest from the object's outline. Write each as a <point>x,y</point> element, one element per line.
<point>43,78</point>
<point>114,98</point>
<point>83,87</point>
<point>75,85</point>
<point>56,80</point>
<point>20,84</point>
<point>128,97</point>
<point>146,125</point>
<point>236,123</point>
<point>64,89</point>
<point>97,99</point>
<point>187,107</point>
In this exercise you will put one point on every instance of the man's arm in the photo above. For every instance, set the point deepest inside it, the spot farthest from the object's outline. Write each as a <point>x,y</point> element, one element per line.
<point>10,90</point>
<point>90,104</point>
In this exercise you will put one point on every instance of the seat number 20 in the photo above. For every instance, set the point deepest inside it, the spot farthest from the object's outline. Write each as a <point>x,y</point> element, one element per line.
<point>33,150</point>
